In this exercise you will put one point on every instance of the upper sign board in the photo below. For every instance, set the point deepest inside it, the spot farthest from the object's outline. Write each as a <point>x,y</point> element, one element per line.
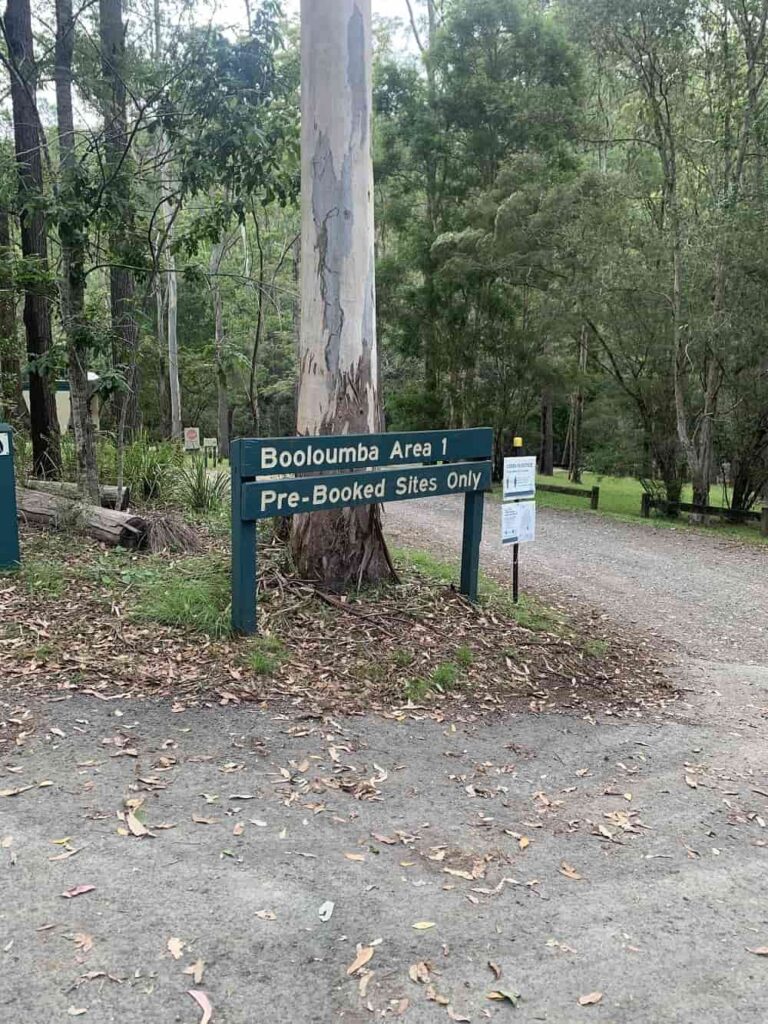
<point>346,453</point>
<point>520,477</point>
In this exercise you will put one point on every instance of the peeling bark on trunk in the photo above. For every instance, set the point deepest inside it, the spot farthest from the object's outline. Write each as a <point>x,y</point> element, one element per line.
<point>44,426</point>
<point>72,237</point>
<point>338,364</point>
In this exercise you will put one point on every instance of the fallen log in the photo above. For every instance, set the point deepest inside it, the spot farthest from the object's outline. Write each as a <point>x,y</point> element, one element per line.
<point>108,492</point>
<point>107,525</point>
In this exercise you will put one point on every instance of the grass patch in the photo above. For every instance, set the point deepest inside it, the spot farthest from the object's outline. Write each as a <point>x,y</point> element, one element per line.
<point>443,679</point>
<point>402,658</point>
<point>44,578</point>
<point>265,654</point>
<point>528,613</point>
<point>193,594</point>
<point>596,648</point>
<point>464,657</point>
<point>620,498</point>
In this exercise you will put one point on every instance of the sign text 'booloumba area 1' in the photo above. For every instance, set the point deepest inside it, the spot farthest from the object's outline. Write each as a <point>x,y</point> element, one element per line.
<point>293,475</point>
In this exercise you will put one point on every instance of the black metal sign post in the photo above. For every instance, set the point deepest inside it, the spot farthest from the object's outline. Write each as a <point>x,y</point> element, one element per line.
<point>279,477</point>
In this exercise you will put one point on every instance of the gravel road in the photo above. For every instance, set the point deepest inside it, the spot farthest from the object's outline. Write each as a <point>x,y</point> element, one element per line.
<point>704,594</point>
<point>605,870</point>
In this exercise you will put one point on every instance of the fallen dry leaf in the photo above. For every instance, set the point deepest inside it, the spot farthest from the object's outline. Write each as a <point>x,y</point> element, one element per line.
<point>524,842</point>
<point>435,997</point>
<point>78,890</point>
<point>569,871</point>
<point>15,792</point>
<point>196,970</point>
<point>135,827</point>
<point>363,957</point>
<point>422,926</point>
<point>758,950</point>
<point>360,857</point>
<point>175,947</point>
<point>365,980</point>
<point>591,999</point>
<point>495,969</point>
<point>399,1006</point>
<point>203,1002</point>
<point>504,995</point>
<point>690,781</point>
<point>83,941</point>
<point>419,972</point>
<point>325,911</point>
<point>238,829</point>
<point>77,1011</point>
<point>266,915</point>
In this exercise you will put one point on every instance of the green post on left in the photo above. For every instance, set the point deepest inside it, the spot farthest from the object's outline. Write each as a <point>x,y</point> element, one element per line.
<point>10,555</point>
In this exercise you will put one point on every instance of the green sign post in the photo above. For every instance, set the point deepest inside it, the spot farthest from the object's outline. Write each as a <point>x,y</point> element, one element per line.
<point>9,527</point>
<point>293,475</point>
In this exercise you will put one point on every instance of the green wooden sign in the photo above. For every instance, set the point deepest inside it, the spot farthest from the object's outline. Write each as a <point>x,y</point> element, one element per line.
<point>428,463</point>
<point>9,526</point>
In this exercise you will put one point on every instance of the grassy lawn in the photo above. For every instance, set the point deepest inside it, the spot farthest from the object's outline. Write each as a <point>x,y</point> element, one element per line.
<point>620,498</point>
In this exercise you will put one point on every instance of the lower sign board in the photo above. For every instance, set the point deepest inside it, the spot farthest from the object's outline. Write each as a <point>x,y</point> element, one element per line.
<point>264,499</point>
<point>518,522</point>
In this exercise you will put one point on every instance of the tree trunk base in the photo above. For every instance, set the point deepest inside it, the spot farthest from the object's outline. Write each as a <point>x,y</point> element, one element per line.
<point>343,547</point>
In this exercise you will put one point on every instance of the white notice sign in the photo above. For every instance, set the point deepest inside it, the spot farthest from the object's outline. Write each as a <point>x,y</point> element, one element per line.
<point>5,444</point>
<point>210,442</point>
<point>518,522</point>
<point>520,477</point>
<point>191,439</point>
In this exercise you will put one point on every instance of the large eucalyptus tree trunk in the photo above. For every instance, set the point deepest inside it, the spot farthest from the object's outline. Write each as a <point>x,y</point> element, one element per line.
<point>338,364</point>
<point>28,140</point>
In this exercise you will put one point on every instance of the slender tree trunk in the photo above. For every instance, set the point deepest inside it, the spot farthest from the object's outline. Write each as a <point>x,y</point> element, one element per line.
<point>338,371</point>
<point>174,384</point>
<point>118,192</point>
<point>577,414</point>
<point>46,451</point>
<point>72,237</point>
<point>12,406</point>
<point>163,399</point>
<point>222,396</point>
<point>547,450</point>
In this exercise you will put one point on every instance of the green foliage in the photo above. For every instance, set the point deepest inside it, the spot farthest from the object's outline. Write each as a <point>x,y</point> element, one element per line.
<point>43,577</point>
<point>265,654</point>
<point>442,679</point>
<point>152,468</point>
<point>193,594</point>
<point>200,489</point>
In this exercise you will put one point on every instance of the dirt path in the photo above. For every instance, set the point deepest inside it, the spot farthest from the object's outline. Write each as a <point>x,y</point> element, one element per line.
<point>581,857</point>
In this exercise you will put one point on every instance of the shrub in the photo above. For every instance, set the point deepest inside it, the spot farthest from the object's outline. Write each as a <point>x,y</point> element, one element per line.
<point>193,593</point>
<point>150,469</point>
<point>199,490</point>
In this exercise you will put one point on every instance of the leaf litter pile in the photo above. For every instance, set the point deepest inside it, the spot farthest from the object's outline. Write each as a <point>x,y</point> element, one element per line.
<point>76,619</point>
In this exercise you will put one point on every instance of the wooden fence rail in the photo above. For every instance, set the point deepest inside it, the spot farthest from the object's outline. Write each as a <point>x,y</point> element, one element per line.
<point>592,495</point>
<point>673,507</point>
